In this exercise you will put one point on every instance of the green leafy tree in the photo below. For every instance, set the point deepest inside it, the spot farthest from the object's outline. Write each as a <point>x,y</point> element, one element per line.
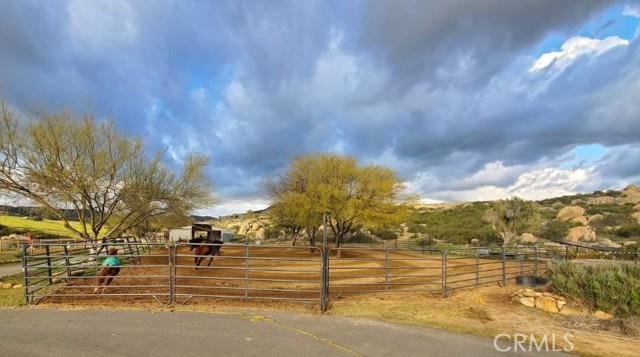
<point>350,195</point>
<point>60,162</point>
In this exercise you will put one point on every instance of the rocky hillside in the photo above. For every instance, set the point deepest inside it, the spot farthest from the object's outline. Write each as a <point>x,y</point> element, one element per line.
<point>610,218</point>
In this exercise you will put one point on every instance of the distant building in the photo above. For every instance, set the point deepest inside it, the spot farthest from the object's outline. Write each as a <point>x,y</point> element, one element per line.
<point>207,231</point>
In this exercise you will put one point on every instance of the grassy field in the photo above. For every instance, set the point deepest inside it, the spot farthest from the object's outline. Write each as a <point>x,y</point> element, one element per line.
<point>10,256</point>
<point>45,226</point>
<point>12,297</point>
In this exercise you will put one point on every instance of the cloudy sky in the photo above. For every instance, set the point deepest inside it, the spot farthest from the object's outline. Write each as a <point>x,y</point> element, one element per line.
<point>466,100</point>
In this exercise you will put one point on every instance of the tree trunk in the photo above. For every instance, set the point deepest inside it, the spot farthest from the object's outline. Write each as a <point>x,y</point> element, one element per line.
<point>338,246</point>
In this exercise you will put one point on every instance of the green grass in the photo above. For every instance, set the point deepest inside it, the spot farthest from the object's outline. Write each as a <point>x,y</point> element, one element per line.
<point>21,224</point>
<point>10,256</point>
<point>11,296</point>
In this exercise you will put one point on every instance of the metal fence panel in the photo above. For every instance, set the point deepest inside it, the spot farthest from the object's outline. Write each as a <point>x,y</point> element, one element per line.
<point>56,271</point>
<point>247,272</point>
<point>481,266</point>
<point>369,270</point>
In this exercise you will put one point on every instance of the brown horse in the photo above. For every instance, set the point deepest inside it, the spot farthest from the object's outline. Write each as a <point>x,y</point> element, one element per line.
<point>203,248</point>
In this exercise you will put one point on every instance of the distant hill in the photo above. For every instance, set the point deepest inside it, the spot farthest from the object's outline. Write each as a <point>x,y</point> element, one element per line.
<point>608,217</point>
<point>27,211</point>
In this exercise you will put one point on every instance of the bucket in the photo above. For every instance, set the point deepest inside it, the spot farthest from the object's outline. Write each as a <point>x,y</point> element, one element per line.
<point>528,280</point>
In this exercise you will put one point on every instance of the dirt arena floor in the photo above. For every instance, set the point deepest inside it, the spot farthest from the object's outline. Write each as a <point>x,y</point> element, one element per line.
<point>258,276</point>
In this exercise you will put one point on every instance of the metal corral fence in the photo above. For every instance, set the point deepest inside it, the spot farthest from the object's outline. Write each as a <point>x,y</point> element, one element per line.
<point>167,273</point>
<point>249,272</point>
<point>481,266</point>
<point>56,271</point>
<point>370,270</point>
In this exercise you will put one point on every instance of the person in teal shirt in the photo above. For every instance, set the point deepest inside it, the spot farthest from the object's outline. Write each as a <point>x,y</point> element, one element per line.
<point>112,260</point>
<point>111,268</point>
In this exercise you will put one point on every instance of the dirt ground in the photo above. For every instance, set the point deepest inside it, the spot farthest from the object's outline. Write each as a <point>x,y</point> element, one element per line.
<point>363,284</point>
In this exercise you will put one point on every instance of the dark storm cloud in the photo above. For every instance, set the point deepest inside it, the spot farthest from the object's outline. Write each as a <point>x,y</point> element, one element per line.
<point>437,89</point>
<point>592,102</point>
<point>427,39</point>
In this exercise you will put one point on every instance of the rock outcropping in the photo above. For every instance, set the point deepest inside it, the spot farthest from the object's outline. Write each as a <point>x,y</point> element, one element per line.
<point>570,212</point>
<point>581,234</point>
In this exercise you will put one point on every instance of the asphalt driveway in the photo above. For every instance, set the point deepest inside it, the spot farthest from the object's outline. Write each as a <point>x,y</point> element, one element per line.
<point>36,331</point>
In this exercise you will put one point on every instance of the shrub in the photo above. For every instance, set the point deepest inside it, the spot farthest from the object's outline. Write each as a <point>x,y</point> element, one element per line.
<point>4,231</point>
<point>608,287</point>
<point>554,230</point>
<point>629,230</point>
<point>385,234</point>
<point>609,208</point>
<point>611,220</point>
<point>359,237</point>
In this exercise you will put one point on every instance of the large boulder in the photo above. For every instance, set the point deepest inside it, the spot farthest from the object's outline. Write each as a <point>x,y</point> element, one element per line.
<point>581,234</point>
<point>636,216</point>
<point>527,238</point>
<point>631,194</point>
<point>636,207</point>
<point>548,304</point>
<point>582,220</point>
<point>594,217</point>
<point>570,212</point>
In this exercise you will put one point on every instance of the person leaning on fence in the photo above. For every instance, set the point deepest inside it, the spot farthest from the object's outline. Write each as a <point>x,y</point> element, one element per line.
<point>111,268</point>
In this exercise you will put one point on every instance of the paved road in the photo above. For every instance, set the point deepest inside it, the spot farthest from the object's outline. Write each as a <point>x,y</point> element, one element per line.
<point>10,269</point>
<point>98,332</point>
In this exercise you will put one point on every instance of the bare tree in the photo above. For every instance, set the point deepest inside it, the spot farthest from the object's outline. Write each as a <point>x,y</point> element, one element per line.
<point>60,162</point>
<point>512,217</point>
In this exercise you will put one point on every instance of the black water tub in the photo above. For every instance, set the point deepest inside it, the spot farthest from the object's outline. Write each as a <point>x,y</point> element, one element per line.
<point>529,280</point>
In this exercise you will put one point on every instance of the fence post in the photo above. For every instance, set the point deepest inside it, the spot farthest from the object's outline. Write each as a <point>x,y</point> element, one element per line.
<point>520,257</point>
<point>324,280</point>
<point>504,267</point>
<point>386,269</point>
<point>49,271</point>
<point>246,272</point>
<point>135,241</point>
<point>67,263</point>
<point>444,272</point>
<point>172,274</point>
<point>25,273</point>
<point>477,266</point>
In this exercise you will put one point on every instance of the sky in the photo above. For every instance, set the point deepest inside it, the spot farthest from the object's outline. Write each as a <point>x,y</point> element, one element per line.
<point>466,100</point>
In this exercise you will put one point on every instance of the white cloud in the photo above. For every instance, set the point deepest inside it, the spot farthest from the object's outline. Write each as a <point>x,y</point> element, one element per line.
<point>199,94</point>
<point>232,206</point>
<point>575,47</point>
<point>101,26</point>
<point>236,95</point>
<point>631,10</point>
<point>534,185</point>
<point>493,173</point>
